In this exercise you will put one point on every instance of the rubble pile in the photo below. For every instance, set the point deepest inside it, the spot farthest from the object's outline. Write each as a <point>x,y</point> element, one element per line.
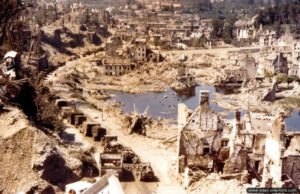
<point>217,185</point>
<point>47,165</point>
<point>60,124</point>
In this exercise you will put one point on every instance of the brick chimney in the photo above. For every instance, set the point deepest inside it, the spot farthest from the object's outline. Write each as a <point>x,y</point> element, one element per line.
<point>204,97</point>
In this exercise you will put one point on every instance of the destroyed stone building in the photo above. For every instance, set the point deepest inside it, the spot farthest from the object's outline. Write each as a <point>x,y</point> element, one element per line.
<point>251,148</point>
<point>112,45</point>
<point>294,68</point>
<point>140,53</point>
<point>185,78</point>
<point>199,136</point>
<point>245,30</point>
<point>276,63</point>
<point>117,67</point>
<point>267,39</point>
<point>75,76</point>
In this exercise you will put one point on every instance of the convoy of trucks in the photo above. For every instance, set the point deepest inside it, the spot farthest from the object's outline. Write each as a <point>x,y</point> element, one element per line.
<point>115,156</point>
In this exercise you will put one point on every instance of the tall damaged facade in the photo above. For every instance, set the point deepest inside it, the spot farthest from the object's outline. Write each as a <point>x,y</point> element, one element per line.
<point>199,137</point>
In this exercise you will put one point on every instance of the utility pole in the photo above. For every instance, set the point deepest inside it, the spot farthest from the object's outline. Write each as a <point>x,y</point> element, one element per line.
<point>102,110</point>
<point>108,109</point>
<point>114,110</point>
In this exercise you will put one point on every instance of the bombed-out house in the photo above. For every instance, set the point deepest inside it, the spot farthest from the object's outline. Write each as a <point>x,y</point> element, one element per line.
<point>185,78</point>
<point>199,136</point>
<point>244,30</point>
<point>267,39</point>
<point>117,66</point>
<point>235,76</point>
<point>294,68</point>
<point>142,53</point>
<point>276,63</point>
<point>247,70</point>
<point>252,146</point>
<point>112,45</point>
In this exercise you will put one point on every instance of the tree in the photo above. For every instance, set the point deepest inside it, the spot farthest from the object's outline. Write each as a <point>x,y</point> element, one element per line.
<point>9,12</point>
<point>281,78</point>
<point>228,30</point>
<point>217,28</point>
<point>268,74</point>
<point>290,79</point>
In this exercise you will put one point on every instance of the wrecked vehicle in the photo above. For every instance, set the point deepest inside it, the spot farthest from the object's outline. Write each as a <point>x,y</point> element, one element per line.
<point>144,172</point>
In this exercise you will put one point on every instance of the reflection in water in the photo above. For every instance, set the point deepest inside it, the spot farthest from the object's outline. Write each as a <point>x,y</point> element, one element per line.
<point>186,93</point>
<point>293,121</point>
<point>164,104</point>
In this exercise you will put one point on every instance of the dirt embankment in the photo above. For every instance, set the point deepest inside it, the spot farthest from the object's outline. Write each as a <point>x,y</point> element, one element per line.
<point>61,42</point>
<point>36,163</point>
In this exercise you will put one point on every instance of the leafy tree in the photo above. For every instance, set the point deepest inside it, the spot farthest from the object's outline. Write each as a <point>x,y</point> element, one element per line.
<point>228,30</point>
<point>283,14</point>
<point>9,11</point>
<point>217,28</point>
<point>290,79</point>
<point>268,74</point>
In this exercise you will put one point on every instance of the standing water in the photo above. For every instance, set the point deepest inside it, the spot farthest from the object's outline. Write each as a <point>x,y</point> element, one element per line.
<point>293,121</point>
<point>164,104</point>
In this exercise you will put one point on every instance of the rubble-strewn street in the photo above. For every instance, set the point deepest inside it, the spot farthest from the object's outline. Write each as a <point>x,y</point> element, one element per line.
<point>149,97</point>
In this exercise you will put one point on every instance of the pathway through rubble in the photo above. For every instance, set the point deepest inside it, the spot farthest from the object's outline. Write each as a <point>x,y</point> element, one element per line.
<point>148,149</point>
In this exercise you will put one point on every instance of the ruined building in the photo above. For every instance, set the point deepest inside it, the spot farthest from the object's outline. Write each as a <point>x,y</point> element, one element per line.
<point>252,146</point>
<point>276,63</point>
<point>199,136</point>
<point>112,45</point>
<point>185,78</point>
<point>117,67</point>
<point>267,39</point>
<point>294,68</point>
<point>140,53</point>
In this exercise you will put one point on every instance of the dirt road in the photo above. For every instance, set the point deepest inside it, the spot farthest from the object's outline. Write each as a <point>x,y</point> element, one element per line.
<point>149,150</point>
<point>213,50</point>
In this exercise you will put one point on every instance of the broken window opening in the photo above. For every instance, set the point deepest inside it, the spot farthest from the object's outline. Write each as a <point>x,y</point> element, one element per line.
<point>206,150</point>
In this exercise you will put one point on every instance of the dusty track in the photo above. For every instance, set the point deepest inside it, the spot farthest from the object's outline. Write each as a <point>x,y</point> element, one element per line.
<point>148,149</point>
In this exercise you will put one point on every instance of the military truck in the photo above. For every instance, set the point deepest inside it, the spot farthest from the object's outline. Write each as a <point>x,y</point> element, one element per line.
<point>144,172</point>
<point>93,130</point>
<point>111,162</point>
<point>74,116</point>
<point>79,120</point>
<point>63,103</point>
<point>129,156</point>
<point>113,147</point>
<point>109,138</point>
